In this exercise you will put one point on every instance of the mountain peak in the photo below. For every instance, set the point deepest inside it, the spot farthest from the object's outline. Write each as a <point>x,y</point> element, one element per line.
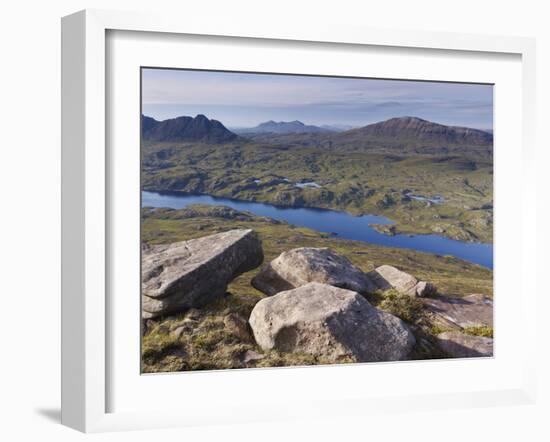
<point>424,130</point>
<point>409,119</point>
<point>185,128</point>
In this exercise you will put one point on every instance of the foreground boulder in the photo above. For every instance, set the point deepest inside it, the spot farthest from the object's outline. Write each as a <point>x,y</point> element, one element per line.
<point>330,323</point>
<point>458,313</point>
<point>297,267</point>
<point>460,345</point>
<point>188,274</point>
<point>387,277</point>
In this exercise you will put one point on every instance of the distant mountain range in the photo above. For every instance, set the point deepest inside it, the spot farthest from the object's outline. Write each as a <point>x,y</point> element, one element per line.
<point>337,127</point>
<point>406,134</point>
<point>284,127</point>
<point>200,129</point>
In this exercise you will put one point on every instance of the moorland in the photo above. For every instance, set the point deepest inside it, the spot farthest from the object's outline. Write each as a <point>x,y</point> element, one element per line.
<point>208,342</point>
<point>427,177</point>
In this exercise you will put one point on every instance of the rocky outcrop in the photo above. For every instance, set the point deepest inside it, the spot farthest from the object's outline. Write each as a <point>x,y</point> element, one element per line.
<point>297,267</point>
<point>330,323</point>
<point>460,345</point>
<point>187,274</point>
<point>458,313</point>
<point>387,277</point>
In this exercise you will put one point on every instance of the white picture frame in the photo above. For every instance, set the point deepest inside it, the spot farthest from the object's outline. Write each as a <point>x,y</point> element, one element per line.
<point>86,210</point>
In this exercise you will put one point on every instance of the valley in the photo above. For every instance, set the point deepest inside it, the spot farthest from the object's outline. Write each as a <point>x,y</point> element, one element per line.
<point>370,174</point>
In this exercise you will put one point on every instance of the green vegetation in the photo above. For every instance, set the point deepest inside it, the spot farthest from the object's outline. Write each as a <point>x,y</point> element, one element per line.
<point>451,275</point>
<point>406,307</point>
<point>205,342</point>
<point>486,332</point>
<point>371,179</point>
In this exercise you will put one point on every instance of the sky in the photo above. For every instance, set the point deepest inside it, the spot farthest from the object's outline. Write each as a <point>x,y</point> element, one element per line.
<point>241,100</point>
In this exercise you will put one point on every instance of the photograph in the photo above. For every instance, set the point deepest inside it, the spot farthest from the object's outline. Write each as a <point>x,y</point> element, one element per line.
<point>299,220</point>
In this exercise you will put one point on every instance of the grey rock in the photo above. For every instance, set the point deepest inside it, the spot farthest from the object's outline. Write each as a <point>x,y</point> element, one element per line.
<point>187,274</point>
<point>179,328</point>
<point>297,267</point>
<point>388,277</point>
<point>251,356</point>
<point>423,289</point>
<point>460,345</point>
<point>237,326</point>
<point>470,311</point>
<point>178,332</point>
<point>330,323</point>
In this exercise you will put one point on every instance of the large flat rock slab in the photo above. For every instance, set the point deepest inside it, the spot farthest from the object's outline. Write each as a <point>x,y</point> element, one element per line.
<point>460,345</point>
<point>330,323</point>
<point>297,267</point>
<point>188,274</point>
<point>470,311</point>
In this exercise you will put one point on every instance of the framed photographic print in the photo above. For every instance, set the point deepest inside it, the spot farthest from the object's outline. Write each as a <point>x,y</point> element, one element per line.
<point>272,211</point>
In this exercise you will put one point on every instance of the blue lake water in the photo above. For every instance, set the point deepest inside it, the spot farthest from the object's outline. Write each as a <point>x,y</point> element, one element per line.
<point>343,224</point>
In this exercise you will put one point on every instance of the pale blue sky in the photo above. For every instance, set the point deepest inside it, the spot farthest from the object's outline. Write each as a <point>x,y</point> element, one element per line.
<point>245,100</point>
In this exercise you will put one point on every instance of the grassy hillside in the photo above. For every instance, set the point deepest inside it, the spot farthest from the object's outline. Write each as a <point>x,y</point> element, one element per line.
<point>209,344</point>
<point>354,178</point>
<point>452,275</point>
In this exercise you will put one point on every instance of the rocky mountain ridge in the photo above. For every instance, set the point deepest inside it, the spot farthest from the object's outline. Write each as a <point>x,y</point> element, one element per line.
<point>422,130</point>
<point>199,129</point>
<point>410,132</point>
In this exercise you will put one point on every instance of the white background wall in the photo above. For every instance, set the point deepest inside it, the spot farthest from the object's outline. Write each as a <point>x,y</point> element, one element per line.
<point>30,220</point>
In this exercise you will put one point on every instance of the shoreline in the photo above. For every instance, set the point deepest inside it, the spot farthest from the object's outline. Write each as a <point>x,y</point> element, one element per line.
<point>395,224</point>
<point>430,243</point>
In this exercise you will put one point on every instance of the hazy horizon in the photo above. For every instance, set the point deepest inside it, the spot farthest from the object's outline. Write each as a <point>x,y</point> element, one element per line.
<point>243,100</point>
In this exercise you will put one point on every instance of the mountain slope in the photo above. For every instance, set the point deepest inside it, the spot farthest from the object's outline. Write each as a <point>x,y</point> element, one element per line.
<point>421,130</point>
<point>284,127</point>
<point>177,129</point>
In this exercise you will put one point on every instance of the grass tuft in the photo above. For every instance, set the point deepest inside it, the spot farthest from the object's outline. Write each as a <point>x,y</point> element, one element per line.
<point>405,307</point>
<point>484,331</point>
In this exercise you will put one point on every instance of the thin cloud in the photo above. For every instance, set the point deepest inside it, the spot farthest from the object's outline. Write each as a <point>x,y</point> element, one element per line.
<point>240,100</point>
